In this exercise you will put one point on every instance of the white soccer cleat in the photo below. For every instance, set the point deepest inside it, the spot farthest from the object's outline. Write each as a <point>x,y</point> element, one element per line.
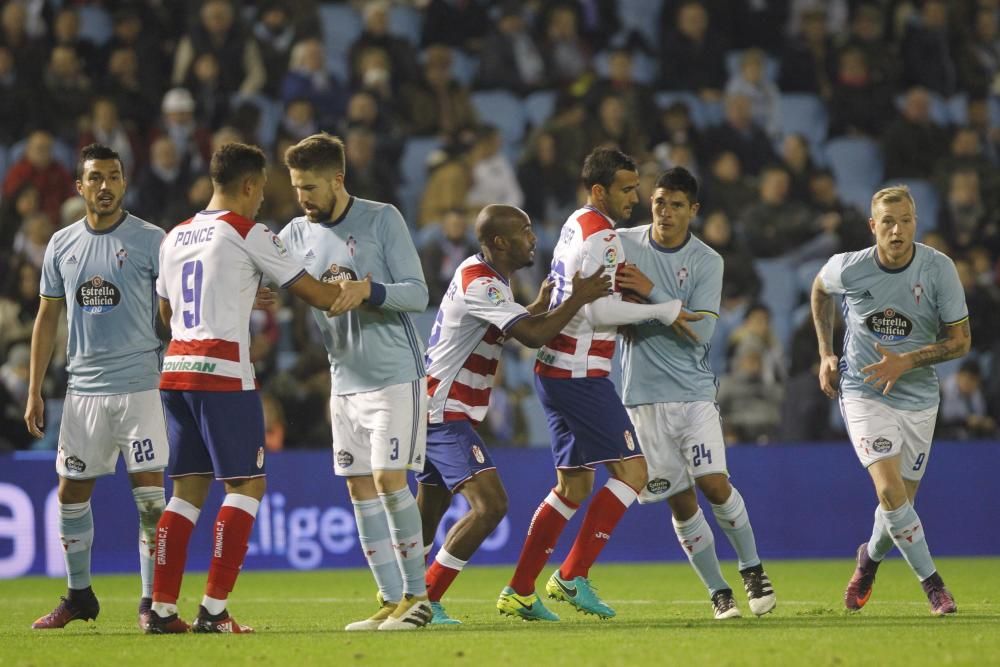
<point>724,606</point>
<point>375,621</point>
<point>760,593</point>
<point>413,611</point>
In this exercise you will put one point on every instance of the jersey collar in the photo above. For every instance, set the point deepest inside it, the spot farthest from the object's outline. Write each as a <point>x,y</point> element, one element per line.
<point>340,218</point>
<point>482,258</point>
<point>656,246</point>
<point>886,269</point>
<point>102,232</point>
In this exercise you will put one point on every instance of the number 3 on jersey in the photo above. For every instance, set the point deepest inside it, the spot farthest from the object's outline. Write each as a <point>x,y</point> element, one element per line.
<point>191,277</point>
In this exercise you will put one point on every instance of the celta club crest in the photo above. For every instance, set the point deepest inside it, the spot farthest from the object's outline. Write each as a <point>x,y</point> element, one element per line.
<point>352,245</point>
<point>682,275</point>
<point>918,291</point>
<point>121,256</point>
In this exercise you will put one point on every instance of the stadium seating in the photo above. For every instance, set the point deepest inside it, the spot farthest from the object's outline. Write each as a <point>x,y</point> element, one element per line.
<point>503,109</point>
<point>464,67</point>
<point>95,24</point>
<point>806,115</point>
<point>941,112</point>
<point>413,169</point>
<point>780,291</point>
<point>406,22</point>
<point>539,107</point>
<point>270,115</point>
<point>341,25</point>
<point>857,166</point>
<point>643,17</point>
<point>644,68</point>
<point>701,115</point>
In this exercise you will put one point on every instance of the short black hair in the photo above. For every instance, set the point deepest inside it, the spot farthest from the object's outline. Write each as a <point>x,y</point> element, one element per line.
<point>320,151</point>
<point>679,179</point>
<point>236,161</point>
<point>602,164</point>
<point>96,152</point>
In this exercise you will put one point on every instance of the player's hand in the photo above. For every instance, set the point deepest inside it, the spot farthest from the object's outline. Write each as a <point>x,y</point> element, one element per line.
<point>352,294</point>
<point>829,375</point>
<point>541,303</point>
<point>629,277</point>
<point>591,288</point>
<point>884,373</point>
<point>34,416</point>
<point>266,298</point>
<point>682,328</point>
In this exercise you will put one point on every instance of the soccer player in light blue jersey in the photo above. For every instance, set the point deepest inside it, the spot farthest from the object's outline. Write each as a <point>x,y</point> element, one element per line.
<point>378,403</point>
<point>103,267</point>
<point>669,390</point>
<point>905,311</point>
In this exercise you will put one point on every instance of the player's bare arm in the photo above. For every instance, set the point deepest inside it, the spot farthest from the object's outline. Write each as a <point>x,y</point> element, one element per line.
<point>537,330</point>
<point>892,366</point>
<point>541,302</point>
<point>823,314</point>
<point>43,340</point>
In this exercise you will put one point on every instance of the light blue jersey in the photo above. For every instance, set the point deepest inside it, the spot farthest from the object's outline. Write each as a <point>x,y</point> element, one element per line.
<point>376,344</point>
<point>903,309</point>
<point>107,279</point>
<point>658,366</point>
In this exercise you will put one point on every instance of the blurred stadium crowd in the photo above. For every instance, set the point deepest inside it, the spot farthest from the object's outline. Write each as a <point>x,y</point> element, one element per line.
<point>790,112</point>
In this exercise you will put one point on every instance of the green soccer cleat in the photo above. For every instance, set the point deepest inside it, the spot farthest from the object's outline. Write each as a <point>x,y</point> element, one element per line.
<point>578,592</point>
<point>525,607</point>
<point>441,617</point>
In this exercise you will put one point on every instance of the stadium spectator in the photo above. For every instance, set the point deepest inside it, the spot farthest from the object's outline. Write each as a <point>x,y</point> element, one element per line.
<point>161,186</point>
<point>752,406</point>
<point>568,127</point>
<point>403,62</point>
<point>776,225</point>
<point>307,79</point>
<point>18,305</point>
<point>913,143</point>
<point>461,25</point>
<point>448,182</point>
<point>798,162</point>
<point>726,188</point>
<point>104,126</point>
<point>13,397</point>
<point>966,152</point>
<point>193,142</point>
<point>136,101</point>
<point>751,80</point>
<point>277,32</point>
<point>441,256</point>
<point>637,97</point>
<point>217,32</point>
<point>367,177</point>
<point>673,126</point>
<point>984,300</point>
<point>39,167</point>
<point>548,181</point>
<point>848,222</point>
<point>510,57</point>
<point>66,92</point>
<point>807,60</point>
<point>613,126</point>
<point>963,218</point>
<point>28,51</point>
<point>964,412</point>
<point>858,104</point>
<point>212,101</point>
<point>17,103</point>
<point>494,180</point>
<point>740,282</point>
<point>867,33</point>
<point>437,103</point>
<point>565,52</point>
<point>66,32</point>
<point>927,49</point>
<point>691,57</point>
<point>741,135</point>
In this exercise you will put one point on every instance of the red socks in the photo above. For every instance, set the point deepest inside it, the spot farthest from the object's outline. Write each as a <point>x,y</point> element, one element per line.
<point>543,533</point>
<point>173,532</point>
<point>605,510</point>
<point>231,537</point>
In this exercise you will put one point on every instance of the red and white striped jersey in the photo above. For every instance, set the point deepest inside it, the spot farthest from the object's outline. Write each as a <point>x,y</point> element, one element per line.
<point>210,269</point>
<point>588,241</point>
<point>466,342</point>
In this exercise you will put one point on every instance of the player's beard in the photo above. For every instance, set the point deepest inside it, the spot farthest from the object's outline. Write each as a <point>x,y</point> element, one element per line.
<point>106,211</point>
<point>322,215</point>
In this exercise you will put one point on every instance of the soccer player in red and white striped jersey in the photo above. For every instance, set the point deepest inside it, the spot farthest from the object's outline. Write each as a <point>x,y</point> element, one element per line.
<point>587,421</point>
<point>476,315</point>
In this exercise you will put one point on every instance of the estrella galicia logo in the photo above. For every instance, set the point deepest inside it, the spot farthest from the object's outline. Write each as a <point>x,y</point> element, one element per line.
<point>97,296</point>
<point>337,272</point>
<point>344,458</point>
<point>889,325</point>
<point>882,445</point>
<point>74,464</point>
<point>658,486</point>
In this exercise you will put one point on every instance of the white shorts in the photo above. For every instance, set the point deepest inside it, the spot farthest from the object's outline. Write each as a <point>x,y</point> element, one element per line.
<point>384,429</point>
<point>96,429</point>
<point>681,441</point>
<point>879,431</point>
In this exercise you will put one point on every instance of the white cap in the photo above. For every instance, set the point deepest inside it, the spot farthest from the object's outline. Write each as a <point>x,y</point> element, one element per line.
<point>177,100</point>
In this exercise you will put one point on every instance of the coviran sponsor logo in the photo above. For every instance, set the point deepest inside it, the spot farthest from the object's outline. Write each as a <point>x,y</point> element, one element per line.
<point>196,366</point>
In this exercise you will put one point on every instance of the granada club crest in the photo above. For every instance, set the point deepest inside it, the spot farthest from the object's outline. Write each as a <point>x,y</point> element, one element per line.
<point>478,454</point>
<point>260,458</point>
<point>629,441</point>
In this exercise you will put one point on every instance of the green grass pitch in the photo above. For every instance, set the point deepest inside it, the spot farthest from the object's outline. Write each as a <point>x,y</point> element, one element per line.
<point>664,618</point>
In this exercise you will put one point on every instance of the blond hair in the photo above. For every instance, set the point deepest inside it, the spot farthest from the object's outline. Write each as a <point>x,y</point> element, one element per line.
<point>891,195</point>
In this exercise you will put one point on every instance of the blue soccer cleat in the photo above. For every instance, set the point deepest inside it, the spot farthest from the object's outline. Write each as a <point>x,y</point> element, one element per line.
<point>441,617</point>
<point>525,607</point>
<point>578,592</point>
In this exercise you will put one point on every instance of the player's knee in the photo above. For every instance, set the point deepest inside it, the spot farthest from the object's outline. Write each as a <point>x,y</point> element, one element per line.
<point>716,488</point>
